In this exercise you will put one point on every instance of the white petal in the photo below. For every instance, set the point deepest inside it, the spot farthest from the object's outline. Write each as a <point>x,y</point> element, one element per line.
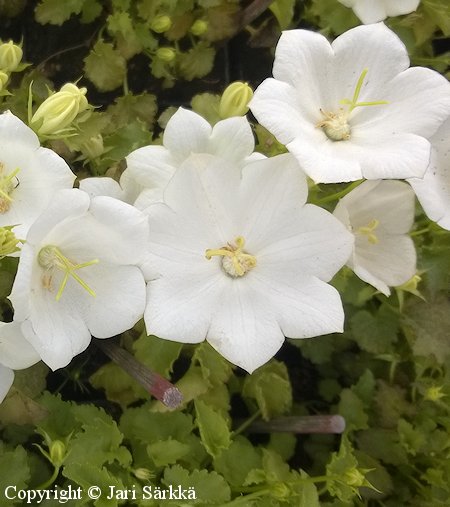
<point>20,294</point>
<point>304,306</point>
<point>232,139</point>
<point>314,243</point>
<point>101,186</point>
<point>15,351</point>
<point>433,191</point>
<point>245,330</point>
<point>370,11</point>
<point>181,304</point>
<point>14,130</point>
<point>151,166</point>
<point>6,380</point>
<point>390,262</point>
<point>391,203</point>
<point>399,7</point>
<point>186,132</point>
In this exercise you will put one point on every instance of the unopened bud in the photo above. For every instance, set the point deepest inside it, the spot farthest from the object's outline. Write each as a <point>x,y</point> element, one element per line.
<point>60,109</point>
<point>280,490</point>
<point>10,56</point>
<point>93,148</point>
<point>3,80</point>
<point>8,241</point>
<point>143,474</point>
<point>199,27</point>
<point>161,24</point>
<point>166,54</point>
<point>58,452</point>
<point>235,99</point>
<point>354,478</point>
<point>434,393</point>
<point>411,284</point>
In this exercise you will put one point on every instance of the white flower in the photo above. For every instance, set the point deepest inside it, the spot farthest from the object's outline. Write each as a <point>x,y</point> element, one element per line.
<point>126,190</point>
<point>187,132</point>
<point>29,175</point>
<point>433,191</point>
<point>352,109</point>
<point>15,354</point>
<point>77,274</point>
<point>6,380</point>
<point>380,214</point>
<point>238,258</point>
<point>372,11</point>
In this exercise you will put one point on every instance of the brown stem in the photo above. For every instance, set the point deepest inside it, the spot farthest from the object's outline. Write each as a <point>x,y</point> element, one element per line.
<point>300,424</point>
<point>154,383</point>
<point>255,9</point>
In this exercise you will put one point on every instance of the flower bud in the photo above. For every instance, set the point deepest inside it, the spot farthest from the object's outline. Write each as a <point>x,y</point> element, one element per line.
<point>166,54</point>
<point>3,80</point>
<point>143,474</point>
<point>60,109</point>
<point>93,147</point>
<point>10,56</point>
<point>235,99</point>
<point>58,452</point>
<point>199,27</point>
<point>161,24</point>
<point>354,478</point>
<point>280,490</point>
<point>434,393</point>
<point>8,241</point>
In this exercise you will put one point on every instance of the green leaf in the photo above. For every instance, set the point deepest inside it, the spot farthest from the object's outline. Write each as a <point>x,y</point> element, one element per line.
<point>215,368</point>
<point>91,11</point>
<point>197,62</point>
<point>14,471</point>
<point>439,12</point>
<point>237,461</point>
<point>382,444</point>
<point>105,66</point>
<point>283,10</point>
<point>392,403</point>
<point>157,354</point>
<point>426,325</point>
<point>213,428</point>
<point>340,464</point>
<point>56,12</point>
<point>167,452</point>
<point>210,487</point>
<point>271,389</point>
<point>308,495</point>
<point>411,439</point>
<point>352,409</point>
<point>207,106</point>
<point>60,421</point>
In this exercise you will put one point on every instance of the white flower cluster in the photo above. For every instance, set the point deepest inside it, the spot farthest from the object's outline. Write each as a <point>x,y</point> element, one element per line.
<point>207,239</point>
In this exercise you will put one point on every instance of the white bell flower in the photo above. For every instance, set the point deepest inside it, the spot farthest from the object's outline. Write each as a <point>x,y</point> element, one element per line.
<point>78,274</point>
<point>29,175</point>
<point>372,11</point>
<point>236,257</point>
<point>352,109</point>
<point>433,191</point>
<point>380,214</point>
<point>15,354</point>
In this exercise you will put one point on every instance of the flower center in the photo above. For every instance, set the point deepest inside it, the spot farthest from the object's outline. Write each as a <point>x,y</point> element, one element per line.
<point>335,125</point>
<point>8,182</point>
<point>368,231</point>
<point>235,261</point>
<point>51,257</point>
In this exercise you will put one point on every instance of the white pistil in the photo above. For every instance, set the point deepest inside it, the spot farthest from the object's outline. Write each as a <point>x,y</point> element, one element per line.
<point>7,185</point>
<point>235,261</point>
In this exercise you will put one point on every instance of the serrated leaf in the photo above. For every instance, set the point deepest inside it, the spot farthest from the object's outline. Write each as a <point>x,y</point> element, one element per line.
<point>105,66</point>
<point>237,461</point>
<point>269,386</point>
<point>56,12</point>
<point>213,428</point>
<point>91,11</point>
<point>283,10</point>
<point>382,444</point>
<point>60,421</point>
<point>392,403</point>
<point>207,106</point>
<point>167,452</point>
<point>341,462</point>
<point>14,471</point>
<point>197,62</point>
<point>157,354</point>
<point>214,367</point>
<point>222,21</point>
<point>439,12</point>
<point>210,487</point>
<point>352,409</point>
<point>18,408</point>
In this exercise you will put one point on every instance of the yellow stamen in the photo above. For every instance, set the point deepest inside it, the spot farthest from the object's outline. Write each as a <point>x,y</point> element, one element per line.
<point>51,257</point>
<point>235,262</point>
<point>6,187</point>
<point>368,231</point>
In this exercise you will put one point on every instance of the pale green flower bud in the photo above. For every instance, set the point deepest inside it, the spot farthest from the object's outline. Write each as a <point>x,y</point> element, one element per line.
<point>10,56</point>
<point>161,24</point>
<point>3,80</point>
<point>143,474</point>
<point>93,148</point>
<point>354,478</point>
<point>58,452</point>
<point>199,27</point>
<point>280,490</point>
<point>434,393</point>
<point>60,109</point>
<point>166,54</point>
<point>8,241</point>
<point>235,99</point>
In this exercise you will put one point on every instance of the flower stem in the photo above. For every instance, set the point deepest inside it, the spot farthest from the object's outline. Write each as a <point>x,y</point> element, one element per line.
<point>247,423</point>
<point>339,195</point>
<point>154,383</point>
<point>52,479</point>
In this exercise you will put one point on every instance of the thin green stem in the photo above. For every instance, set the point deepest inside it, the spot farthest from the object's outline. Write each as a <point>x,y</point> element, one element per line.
<point>247,423</point>
<point>339,195</point>
<point>52,479</point>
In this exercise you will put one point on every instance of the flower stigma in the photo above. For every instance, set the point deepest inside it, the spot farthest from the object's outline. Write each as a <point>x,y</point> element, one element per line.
<point>335,125</point>
<point>50,257</point>
<point>8,182</point>
<point>368,231</point>
<point>235,261</point>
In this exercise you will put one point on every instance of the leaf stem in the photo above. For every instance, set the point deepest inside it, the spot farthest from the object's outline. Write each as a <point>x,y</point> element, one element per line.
<point>342,193</point>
